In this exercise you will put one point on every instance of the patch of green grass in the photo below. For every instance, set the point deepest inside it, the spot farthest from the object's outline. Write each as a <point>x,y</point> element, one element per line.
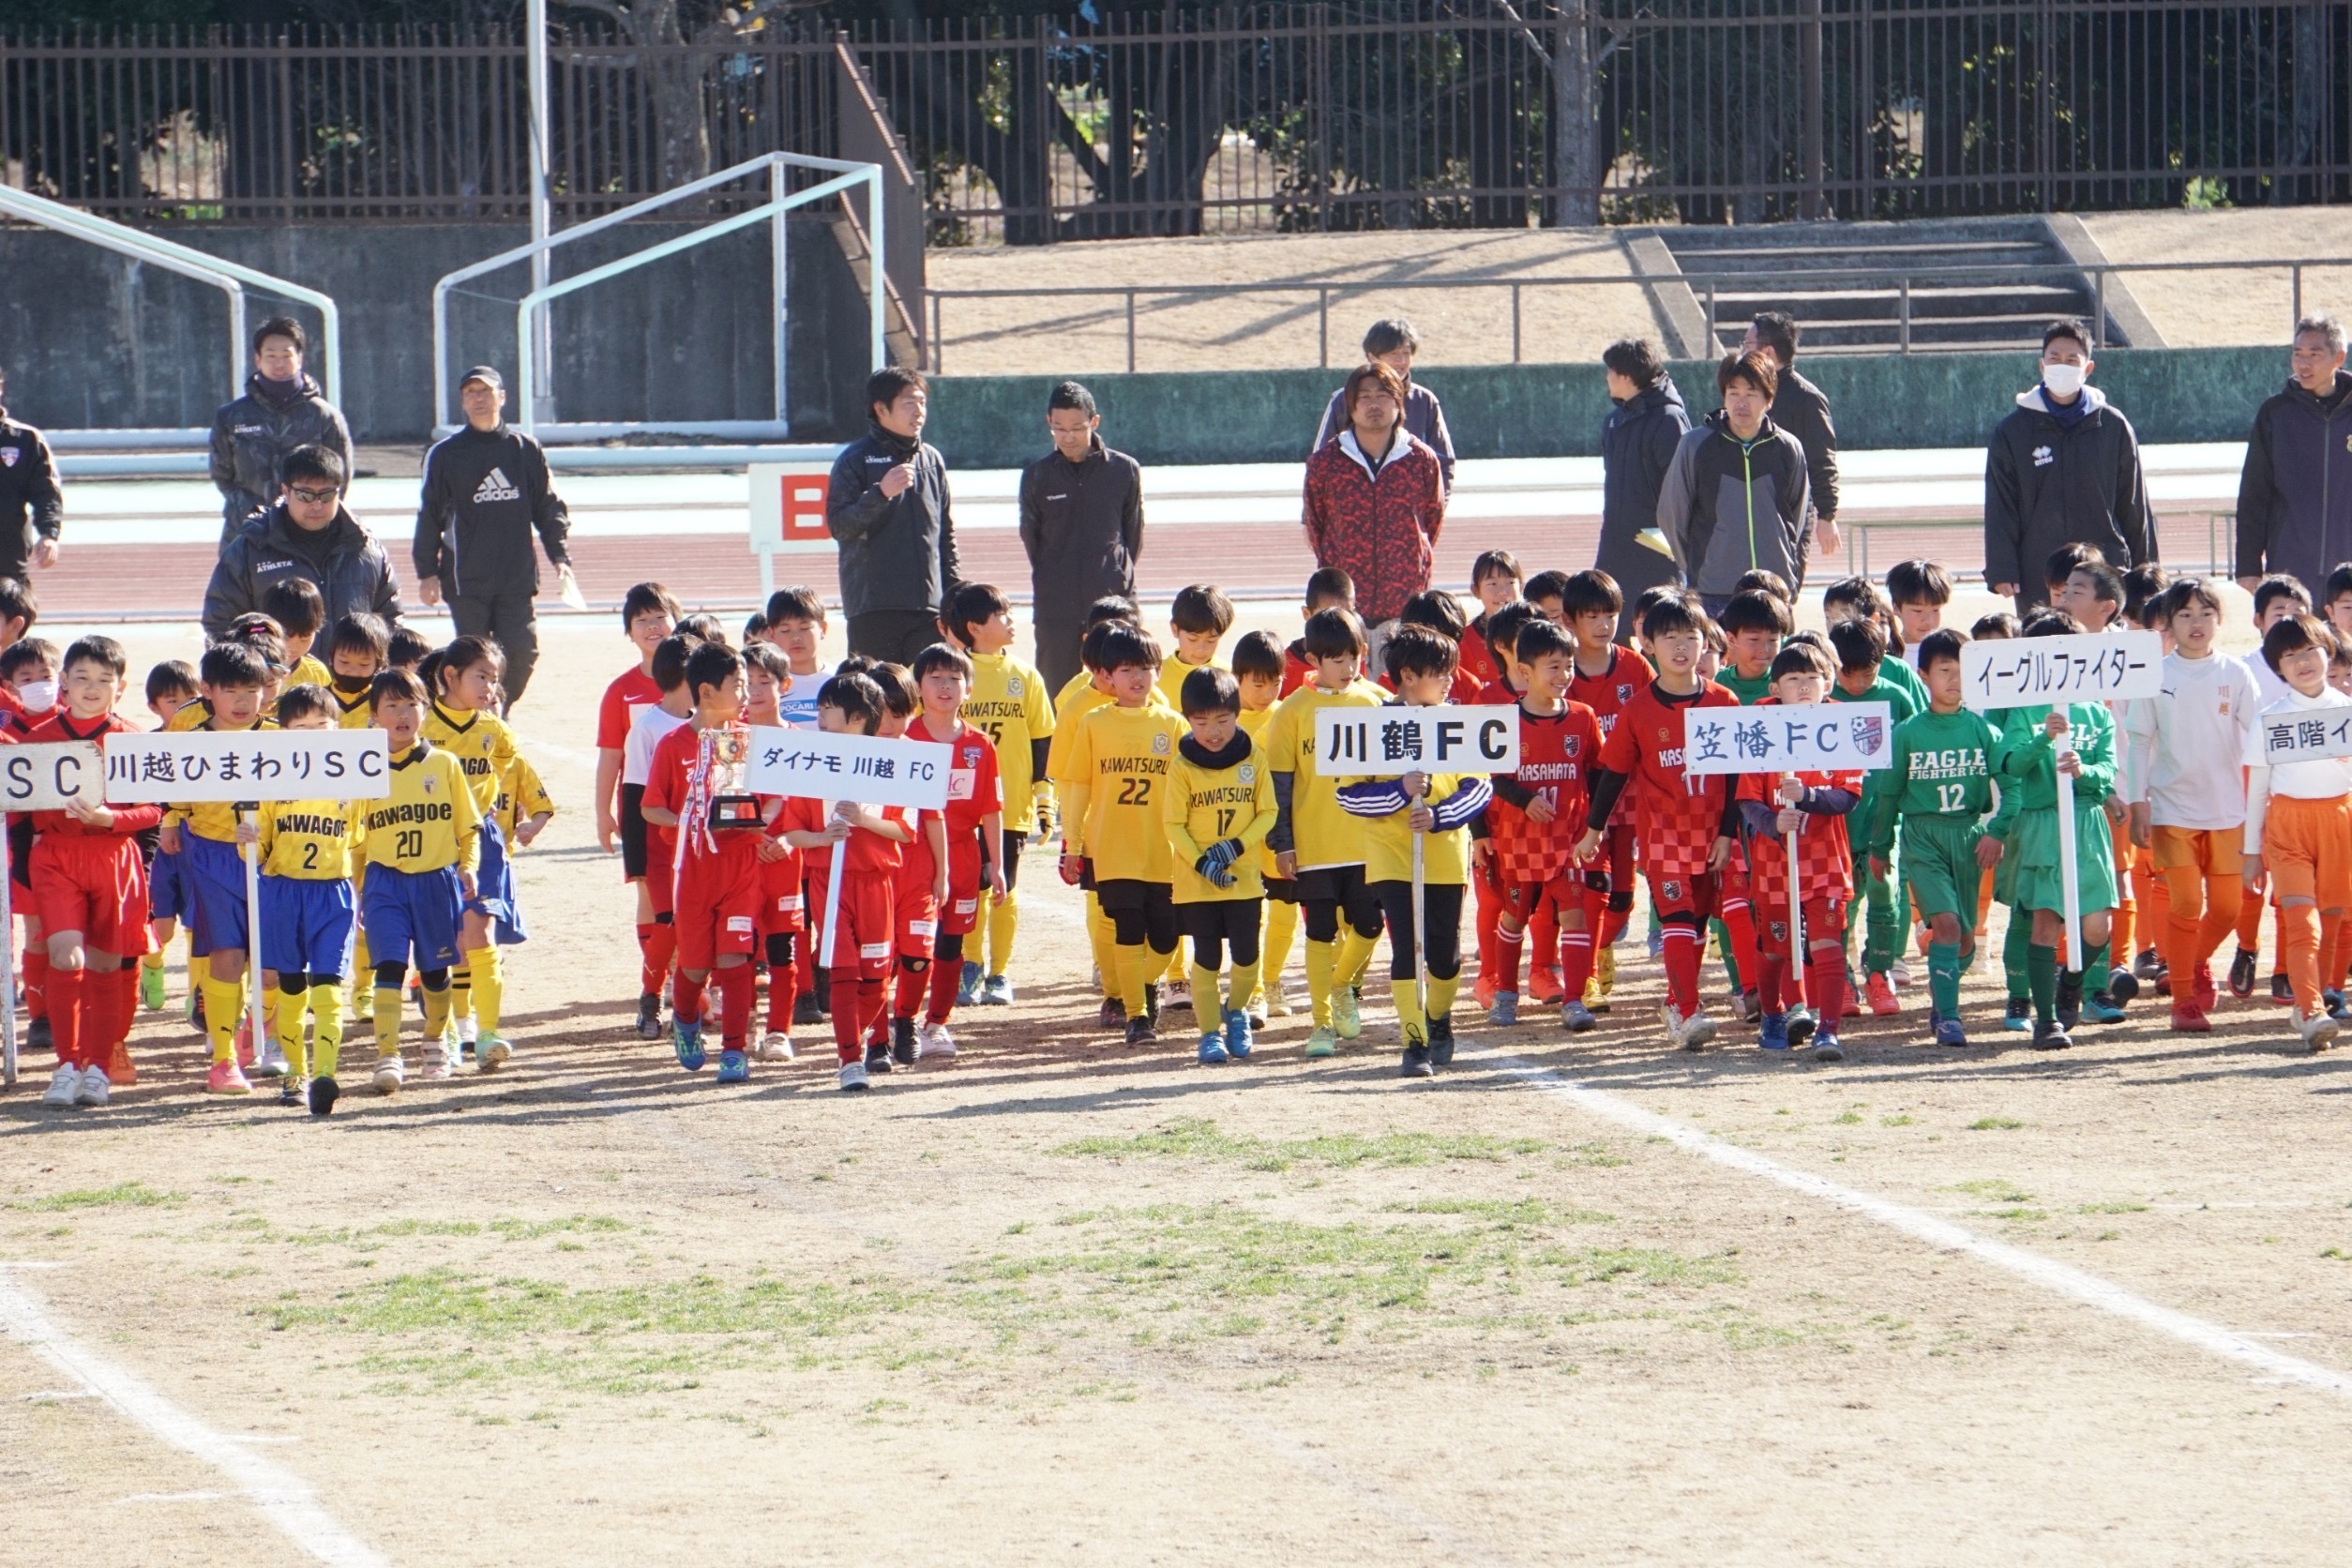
<point>1994,1190</point>
<point>1200,1138</point>
<point>1502,1211</point>
<point>1993,1125</point>
<point>129,1195</point>
<point>1895,1121</point>
<point>2022,1216</point>
<point>1847,1118</point>
<point>2111,1208</point>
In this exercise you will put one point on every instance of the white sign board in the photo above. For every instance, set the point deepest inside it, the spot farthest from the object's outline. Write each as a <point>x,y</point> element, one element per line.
<point>1813,737</point>
<point>2050,672</point>
<point>1390,742</point>
<point>864,768</point>
<point>788,507</point>
<point>155,767</point>
<point>2304,735</point>
<point>46,774</point>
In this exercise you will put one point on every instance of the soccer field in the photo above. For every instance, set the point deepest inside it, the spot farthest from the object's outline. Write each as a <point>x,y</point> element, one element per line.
<point>1578,1299</point>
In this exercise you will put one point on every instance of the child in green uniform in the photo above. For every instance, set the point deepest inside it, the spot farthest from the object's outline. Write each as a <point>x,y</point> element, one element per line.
<point>2038,742</point>
<point>1860,647</point>
<point>1941,787</point>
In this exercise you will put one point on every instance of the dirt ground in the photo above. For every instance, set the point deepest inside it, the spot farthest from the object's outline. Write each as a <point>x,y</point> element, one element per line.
<point>1057,1302</point>
<point>2244,305</point>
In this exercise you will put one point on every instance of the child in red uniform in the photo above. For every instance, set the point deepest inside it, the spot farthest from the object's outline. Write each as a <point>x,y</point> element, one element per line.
<point>1495,579</point>
<point>647,614</point>
<point>1531,825</point>
<point>1683,822</point>
<point>645,850</point>
<point>1327,588</point>
<point>1504,690</point>
<point>1607,676</point>
<point>919,891</point>
<point>783,908</point>
<point>1812,807</point>
<point>974,827</point>
<point>90,890</point>
<point>717,913</point>
<point>872,842</point>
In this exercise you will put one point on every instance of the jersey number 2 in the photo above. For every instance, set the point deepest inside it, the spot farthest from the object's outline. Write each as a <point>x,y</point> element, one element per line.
<point>1134,792</point>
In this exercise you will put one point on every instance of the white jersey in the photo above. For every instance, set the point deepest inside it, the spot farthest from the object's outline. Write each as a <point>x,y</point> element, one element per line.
<point>645,732</point>
<point>2321,780</point>
<point>2187,746</point>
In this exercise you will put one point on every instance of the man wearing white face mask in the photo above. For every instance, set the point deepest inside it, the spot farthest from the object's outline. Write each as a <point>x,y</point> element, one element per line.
<point>2063,468</point>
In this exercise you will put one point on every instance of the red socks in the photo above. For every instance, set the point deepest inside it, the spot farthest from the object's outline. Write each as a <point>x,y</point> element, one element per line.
<point>1507,946</point>
<point>36,972</point>
<point>1740,920</point>
<point>1575,963</point>
<point>1826,974</point>
<point>1682,967</point>
<point>857,1006</point>
<point>914,986</point>
<point>947,976</point>
<point>734,1004</point>
<point>686,998</point>
<point>65,1017</point>
<point>783,990</point>
<point>658,942</point>
<point>105,1014</point>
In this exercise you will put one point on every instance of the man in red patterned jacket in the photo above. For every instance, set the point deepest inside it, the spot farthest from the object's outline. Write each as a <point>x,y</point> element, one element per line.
<point>1375,501</point>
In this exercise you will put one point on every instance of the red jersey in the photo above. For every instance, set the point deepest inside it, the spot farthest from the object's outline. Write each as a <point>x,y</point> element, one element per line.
<point>861,852</point>
<point>1478,659</point>
<point>1557,754</point>
<point>1297,668</point>
<point>1678,817</point>
<point>1467,687</point>
<point>59,726</point>
<point>1825,862</point>
<point>1606,695</point>
<point>973,789</point>
<point>631,690</point>
<point>1501,693</point>
<point>669,782</point>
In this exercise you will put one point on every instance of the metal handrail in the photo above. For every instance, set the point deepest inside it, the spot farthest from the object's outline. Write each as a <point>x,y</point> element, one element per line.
<point>1897,278</point>
<point>775,163</point>
<point>230,277</point>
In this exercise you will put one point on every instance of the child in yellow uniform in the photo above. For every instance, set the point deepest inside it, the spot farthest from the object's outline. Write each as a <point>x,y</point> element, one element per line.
<point>1440,807</point>
<point>1088,691</point>
<point>1010,705</point>
<point>463,722</point>
<point>1220,806</point>
<point>294,604</point>
<point>1198,620</point>
<point>309,912</point>
<point>1258,675</point>
<point>1115,834</point>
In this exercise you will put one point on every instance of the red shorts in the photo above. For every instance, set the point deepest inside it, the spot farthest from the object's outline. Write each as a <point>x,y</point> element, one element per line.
<point>864,933</point>
<point>915,914</point>
<point>661,845</point>
<point>1674,889</point>
<point>962,910</point>
<point>1565,891</point>
<point>782,908</point>
<point>1820,877</point>
<point>93,885</point>
<point>718,909</point>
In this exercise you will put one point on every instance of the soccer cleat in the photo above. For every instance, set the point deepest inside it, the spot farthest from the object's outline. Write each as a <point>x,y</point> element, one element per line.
<point>1483,993</point>
<point>1322,1042</point>
<point>1258,1014</point>
<point>1749,1006</point>
<point>1240,1036</point>
<point>151,993</point>
<point>2338,1006</point>
<point>1604,979</point>
<point>1901,974</point>
<point>226,1078</point>
<point>435,1066</point>
<point>1141,1033</point>
<point>1442,1042</point>
<point>2241,974</point>
<point>2050,1035</point>
<point>1878,991</point>
<point>2204,993</point>
<point>2189,1019</point>
<point>1176,994</point>
<point>1772,1031</point>
<point>493,1051</point>
<point>853,1075</point>
<point>2315,1033</point>
<point>1696,1033</point>
<point>1543,985</point>
<point>1212,1052</point>
<point>2150,965</point>
<point>2123,987</point>
<point>733,1067</point>
<point>1277,1001</point>
<point>1825,1047</point>
<point>1346,1012</point>
<point>1416,1062</point>
<point>2282,991</point>
<point>1111,1014</point>
<point>272,1063</point>
<point>388,1075</point>
<point>932,1040</point>
<point>968,985</point>
<point>877,1057</point>
<point>649,1016</point>
<point>1503,1012</point>
<point>775,1047</point>
<point>1801,1024</point>
<point>902,1042</point>
<point>808,1011</point>
<point>119,1070</point>
<point>1577,1018</point>
<point>685,1041</point>
<point>63,1084</point>
<point>2070,998</point>
<point>1951,1032</point>
<point>290,1091</point>
<point>996,991</point>
<point>2019,1016</point>
<point>37,1035</point>
<point>2102,1008</point>
<point>324,1092</point>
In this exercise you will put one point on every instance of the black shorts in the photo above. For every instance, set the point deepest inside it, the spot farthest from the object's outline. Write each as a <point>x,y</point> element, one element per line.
<point>1086,876</point>
<point>1282,888</point>
<point>633,832</point>
<point>1015,841</point>
<point>1333,885</point>
<point>1125,895</point>
<point>1217,924</point>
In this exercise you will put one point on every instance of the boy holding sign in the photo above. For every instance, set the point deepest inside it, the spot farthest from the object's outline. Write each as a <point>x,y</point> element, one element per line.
<point>1434,808</point>
<point>90,891</point>
<point>2299,813</point>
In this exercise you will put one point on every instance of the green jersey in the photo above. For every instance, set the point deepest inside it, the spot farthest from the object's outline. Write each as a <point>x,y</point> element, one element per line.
<point>1896,671</point>
<point>1943,767</point>
<point>1901,705</point>
<point>1749,692</point>
<point>2029,755</point>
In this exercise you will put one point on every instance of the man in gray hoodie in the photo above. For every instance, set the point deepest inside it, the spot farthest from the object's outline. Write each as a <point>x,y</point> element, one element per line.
<point>1735,498</point>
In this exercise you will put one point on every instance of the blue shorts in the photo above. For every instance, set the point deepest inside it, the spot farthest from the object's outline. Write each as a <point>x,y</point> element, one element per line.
<point>212,892</point>
<point>167,887</point>
<point>493,877</point>
<point>307,925</point>
<point>413,912</point>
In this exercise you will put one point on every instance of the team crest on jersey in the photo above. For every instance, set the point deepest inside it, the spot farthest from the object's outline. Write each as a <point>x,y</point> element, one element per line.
<point>428,782</point>
<point>1571,746</point>
<point>1159,744</point>
<point>1014,686</point>
<point>1245,773</point>
<point>1624,691</point>
<point>1673,890</point>
<point>1870,735</point>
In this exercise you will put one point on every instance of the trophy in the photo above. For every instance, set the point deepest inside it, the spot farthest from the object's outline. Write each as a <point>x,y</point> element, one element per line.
<point>726,755</point>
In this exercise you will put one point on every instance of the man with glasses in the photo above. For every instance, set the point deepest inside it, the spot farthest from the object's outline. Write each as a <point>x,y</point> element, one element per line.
<point>307,534</point>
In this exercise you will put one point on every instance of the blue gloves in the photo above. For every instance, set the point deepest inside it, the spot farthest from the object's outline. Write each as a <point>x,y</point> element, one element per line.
<point>1215,862</point>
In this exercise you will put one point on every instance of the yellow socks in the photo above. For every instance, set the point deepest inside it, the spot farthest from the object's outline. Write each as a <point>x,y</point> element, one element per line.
<point>461,987</point>
<point>326,1019</point>
<point>1134,967</point>
<point>1103,936</point>
<point>1277,931</point>
<point>387,1017</point>
<point>224,1009</point>
<point>1409,1014</point>
<point>291,1009</point>
<point>489,987</point>
<point>1002,918</point>
<point>1320,967</point>
<point>1240,991</point>
<point>436,1015</point>
<point>1442,994</point>
<point>1204,998</point>
<point>1355,956</point>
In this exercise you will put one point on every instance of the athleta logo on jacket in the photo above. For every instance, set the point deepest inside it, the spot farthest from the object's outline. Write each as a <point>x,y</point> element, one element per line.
<point>496,486</point>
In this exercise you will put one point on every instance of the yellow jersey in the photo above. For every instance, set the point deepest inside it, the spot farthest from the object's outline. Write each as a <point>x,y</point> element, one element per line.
<point>1207,802</point>
<point>307,670</point>
<point>1171,679</point>
<point>430,820</point>
<point>1387,835</point>
<point>310,840</point>
<point>1255,722</point>
<point>1321,832</point>
<point>1009,704</point>
<point>481,742</point>
<point>353,712</point>
<point>215,820</point>
<point>521,797</point>
<point>1116,791</point>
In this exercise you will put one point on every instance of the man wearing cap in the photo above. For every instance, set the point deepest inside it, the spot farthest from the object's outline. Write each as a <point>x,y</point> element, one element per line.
<point>486,489</point>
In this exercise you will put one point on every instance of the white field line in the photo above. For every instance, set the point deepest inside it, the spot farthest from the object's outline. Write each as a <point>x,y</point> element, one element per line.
<point>283,1498</point>
<point>2060,1279</point>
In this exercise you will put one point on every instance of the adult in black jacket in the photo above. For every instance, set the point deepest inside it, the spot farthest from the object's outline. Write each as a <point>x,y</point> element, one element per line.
<point>2295,498</point>
<point>1638,443</point>
<point>487,490</point>
<point>887,506</point>
<point>1803,410</point>
<point>1734,499</point>
<point>2063,468</point>
<point>1082,524</point>
<point>282,409</point>
<point>31,508</point>
<point>309,534</point>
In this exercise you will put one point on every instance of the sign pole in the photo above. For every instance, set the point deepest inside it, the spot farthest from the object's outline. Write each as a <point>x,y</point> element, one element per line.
<point>1798,951</point>
<point>254,994</point>
<point>2069,879</point>
<point>1420,924</point>
<point>833,905</point>
<point>7,965</point>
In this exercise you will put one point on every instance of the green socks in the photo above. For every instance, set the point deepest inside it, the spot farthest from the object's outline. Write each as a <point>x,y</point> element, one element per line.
<point>2042,980</point>
<point>1943,979</point>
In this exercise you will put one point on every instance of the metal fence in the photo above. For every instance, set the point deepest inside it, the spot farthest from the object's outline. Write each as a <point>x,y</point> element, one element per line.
<point>1273,117</point>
